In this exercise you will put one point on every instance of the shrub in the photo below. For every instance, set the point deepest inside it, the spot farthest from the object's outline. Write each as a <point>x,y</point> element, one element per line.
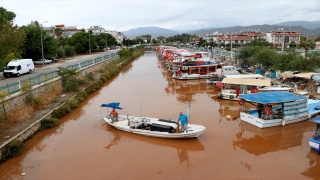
<point>49,123</point>
<point>12,149</point>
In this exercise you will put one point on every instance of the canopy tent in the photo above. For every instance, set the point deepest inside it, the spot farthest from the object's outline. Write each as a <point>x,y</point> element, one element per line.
<point>272,97</point>
<point>252,82</point>
<point>114,105</point>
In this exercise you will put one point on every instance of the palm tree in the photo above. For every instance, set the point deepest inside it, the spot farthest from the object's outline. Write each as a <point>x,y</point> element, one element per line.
<point>307,44</point>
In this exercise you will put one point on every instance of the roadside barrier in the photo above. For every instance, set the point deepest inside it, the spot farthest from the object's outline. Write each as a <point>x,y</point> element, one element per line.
<point>47,76</point>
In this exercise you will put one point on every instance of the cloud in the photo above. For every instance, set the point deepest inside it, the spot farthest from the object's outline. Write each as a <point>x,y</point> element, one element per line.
<point>123,15</point>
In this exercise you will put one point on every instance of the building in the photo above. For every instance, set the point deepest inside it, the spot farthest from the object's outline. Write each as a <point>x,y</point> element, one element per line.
<point>66,31</point>
<point>282,37</point>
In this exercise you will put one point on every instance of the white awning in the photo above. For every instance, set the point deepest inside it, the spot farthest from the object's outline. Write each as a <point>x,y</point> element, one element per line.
<point>305,75</point>
<point>246,76</point>
<point>252,82</point>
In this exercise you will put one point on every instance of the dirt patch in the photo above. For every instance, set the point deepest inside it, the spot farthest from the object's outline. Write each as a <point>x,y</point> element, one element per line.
<point>17,127</point>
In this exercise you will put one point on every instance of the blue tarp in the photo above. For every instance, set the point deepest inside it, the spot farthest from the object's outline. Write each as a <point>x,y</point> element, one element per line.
<point>272,97</point>
<point>316,119</point>
<point>114,105</point>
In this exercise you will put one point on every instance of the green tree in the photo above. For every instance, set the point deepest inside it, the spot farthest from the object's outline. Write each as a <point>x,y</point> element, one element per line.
<point>306,43</point>
<point>265,57</point>
<point>12,37</point>
<point>259,42</point>
<point>33,45</point>
<point>246,52</point>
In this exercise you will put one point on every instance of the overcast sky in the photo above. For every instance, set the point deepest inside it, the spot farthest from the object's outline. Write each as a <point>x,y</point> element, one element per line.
<point>122,15</point>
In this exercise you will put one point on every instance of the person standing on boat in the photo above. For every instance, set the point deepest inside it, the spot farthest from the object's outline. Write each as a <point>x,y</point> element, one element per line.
<point>184,122</point>
<point>114,115</point>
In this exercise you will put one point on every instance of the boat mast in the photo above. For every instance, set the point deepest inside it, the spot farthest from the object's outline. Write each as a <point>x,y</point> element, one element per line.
<point>188,112</point>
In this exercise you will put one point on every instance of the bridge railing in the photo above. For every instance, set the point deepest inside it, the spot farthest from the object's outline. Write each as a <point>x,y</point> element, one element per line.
<point>15,87</point>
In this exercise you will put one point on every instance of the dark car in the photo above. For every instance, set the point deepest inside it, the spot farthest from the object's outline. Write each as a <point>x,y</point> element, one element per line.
<point>54,59</point>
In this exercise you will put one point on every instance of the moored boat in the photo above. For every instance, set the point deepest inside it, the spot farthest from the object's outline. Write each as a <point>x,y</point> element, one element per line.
<point>154,127</point>
<point>314,142</point>
<point>279,108</point>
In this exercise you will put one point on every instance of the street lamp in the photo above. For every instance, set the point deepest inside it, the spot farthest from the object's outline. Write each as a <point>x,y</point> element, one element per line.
<point>42,43</point>
<point>89,41</point>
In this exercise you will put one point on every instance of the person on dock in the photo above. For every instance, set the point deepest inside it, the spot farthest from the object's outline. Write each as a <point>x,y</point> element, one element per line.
<point>184,122</point>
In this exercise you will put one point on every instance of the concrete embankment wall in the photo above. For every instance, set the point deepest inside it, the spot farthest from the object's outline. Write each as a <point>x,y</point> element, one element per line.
<point>19,99</point>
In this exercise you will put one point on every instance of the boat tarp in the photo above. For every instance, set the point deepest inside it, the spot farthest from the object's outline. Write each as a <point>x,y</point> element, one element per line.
<point>248,76</point>
<point>272,97</point>
<point>114,105</point>
<point>316,119</point>
<point>252,82</point>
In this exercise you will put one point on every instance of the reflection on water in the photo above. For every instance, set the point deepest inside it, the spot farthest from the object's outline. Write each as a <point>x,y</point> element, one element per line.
<point>314,161</point>
<point>228,107</point>
<point>184,89</point>
<point>270,139</point>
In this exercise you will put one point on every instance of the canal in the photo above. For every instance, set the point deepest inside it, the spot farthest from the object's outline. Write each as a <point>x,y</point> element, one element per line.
<point>84,147</point>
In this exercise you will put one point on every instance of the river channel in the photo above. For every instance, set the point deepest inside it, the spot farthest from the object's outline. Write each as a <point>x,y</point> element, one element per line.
<point>84,147</point>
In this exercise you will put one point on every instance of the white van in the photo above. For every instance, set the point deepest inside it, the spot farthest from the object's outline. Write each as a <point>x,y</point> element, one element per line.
<point>18,67</point>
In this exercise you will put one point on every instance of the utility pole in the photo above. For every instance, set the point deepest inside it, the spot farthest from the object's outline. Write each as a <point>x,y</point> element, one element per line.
<point>89,42</point>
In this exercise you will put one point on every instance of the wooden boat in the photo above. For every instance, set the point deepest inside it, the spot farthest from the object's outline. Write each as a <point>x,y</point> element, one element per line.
<point>314,142</point>
<point>279,108</point>
<point>154,127</point>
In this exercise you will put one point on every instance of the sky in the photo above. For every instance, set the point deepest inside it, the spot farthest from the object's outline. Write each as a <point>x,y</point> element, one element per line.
<point>180,15</point>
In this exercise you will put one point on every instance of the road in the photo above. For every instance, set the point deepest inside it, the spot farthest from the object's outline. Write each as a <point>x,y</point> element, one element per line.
<point>53,66</point>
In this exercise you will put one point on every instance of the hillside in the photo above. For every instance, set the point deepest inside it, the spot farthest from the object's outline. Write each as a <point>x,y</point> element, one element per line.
<point>263,28</point>
<point>153,31</point>
<point>306,24</point>
<point>307,28</point>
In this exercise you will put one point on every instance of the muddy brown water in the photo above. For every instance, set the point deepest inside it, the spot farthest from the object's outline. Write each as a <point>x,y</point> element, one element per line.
<point>84,147</point>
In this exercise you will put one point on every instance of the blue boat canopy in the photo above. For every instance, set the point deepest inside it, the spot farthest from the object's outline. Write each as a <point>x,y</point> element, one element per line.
<point>316,119</point>
<point>272,97</point>
<point>114,105</point>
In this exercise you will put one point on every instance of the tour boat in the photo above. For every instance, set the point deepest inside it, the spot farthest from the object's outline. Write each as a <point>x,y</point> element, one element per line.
<point>154,127</point>
<point>279,108</point>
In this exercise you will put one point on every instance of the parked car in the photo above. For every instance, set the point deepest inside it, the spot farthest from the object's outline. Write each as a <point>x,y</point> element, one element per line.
<point>42,61</point>
<point>54,59</point>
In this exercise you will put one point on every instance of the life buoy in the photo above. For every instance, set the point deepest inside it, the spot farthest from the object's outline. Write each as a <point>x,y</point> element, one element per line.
<point>241,102</point>
<point>231,97</point>
<point>254,90</point>
<point>179,72</point>
<point>219,86</point>
<point>267,110</point>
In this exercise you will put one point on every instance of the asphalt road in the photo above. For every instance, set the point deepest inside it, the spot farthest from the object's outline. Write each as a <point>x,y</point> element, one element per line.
<point>53,66</point>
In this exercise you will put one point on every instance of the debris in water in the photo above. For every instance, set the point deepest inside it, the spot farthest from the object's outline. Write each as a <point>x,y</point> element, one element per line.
<point>23,174</point>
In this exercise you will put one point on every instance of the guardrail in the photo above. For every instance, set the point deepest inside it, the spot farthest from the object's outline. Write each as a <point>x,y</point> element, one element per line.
<point>47,76</point>
<point>214,51</point>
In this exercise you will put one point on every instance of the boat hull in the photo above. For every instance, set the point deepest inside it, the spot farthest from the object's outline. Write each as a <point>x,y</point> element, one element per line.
<point>261,123</point>
<point>314,143</point>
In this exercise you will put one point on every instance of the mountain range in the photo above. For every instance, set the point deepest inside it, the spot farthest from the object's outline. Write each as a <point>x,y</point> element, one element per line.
<point>307,28</point>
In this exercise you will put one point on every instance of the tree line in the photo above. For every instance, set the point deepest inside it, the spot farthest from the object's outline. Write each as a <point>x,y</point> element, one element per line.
<point>27,42</point>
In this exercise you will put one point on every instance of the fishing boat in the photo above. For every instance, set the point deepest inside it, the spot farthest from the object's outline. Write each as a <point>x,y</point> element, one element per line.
<point>154,127</point>
<point>278,108</point>
<point>314,142</point>
<point>233,87</point>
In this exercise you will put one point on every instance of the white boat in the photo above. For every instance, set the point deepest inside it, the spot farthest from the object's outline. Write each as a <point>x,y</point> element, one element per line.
<point>233,87</point>
<point>314,142</point>
<point>187,72</point>
<point>279,108</point>
<point>154,127</point>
